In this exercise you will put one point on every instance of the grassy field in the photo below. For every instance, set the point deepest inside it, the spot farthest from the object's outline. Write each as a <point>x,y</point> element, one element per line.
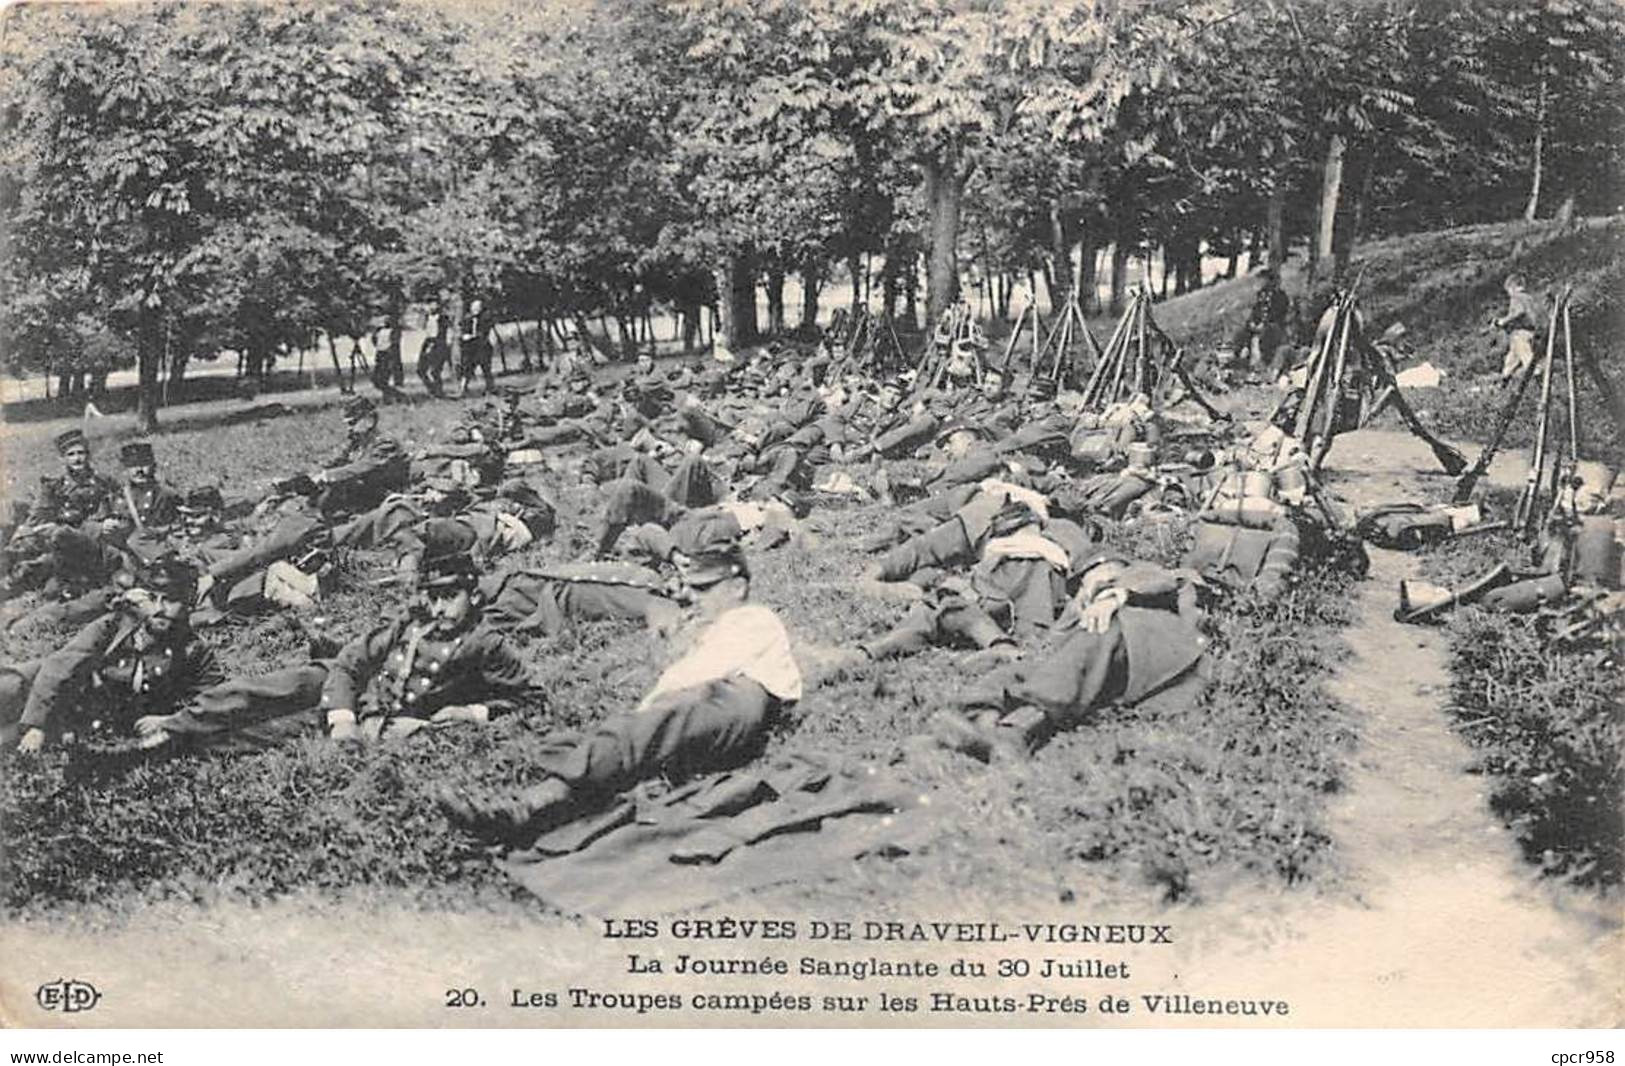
<point>1143,802</point>
<point>1547,723</point>
<point>1149,803</point>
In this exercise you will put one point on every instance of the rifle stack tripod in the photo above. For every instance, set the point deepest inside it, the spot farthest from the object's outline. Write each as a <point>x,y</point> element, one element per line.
<point>1137,358</point>
<point>1341,391</point>
<point>1555,485</point>
<point>867,341</point>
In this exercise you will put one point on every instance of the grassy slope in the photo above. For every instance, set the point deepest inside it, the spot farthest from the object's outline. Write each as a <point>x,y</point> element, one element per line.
<point>1150,802</point>
<point>1445,287</point>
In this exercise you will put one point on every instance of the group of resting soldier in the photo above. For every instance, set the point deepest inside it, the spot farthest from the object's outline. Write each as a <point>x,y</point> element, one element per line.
<point>1001,499</point>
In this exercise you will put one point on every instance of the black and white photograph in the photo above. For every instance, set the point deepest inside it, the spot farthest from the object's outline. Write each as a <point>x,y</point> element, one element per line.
<point>723,514</point>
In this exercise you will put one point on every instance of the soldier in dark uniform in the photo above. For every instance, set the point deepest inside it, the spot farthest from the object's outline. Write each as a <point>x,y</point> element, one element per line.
<point>434,355</point>
<point>438,664</point>
<point>78,494</point>
<point>138,659</point>
<point>145,501</point>
<point>368,468</point>
<point>1130,634</point>
<point>477,326</point>
<point>710,709</point>
<point>1266,323</point>
<point>76,504</point>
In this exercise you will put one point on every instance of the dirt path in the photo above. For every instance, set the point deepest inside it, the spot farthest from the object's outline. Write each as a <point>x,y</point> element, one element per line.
<point>1447,925</point>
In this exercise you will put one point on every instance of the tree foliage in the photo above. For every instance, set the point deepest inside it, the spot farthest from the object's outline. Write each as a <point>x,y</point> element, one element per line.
<point>179,179</point>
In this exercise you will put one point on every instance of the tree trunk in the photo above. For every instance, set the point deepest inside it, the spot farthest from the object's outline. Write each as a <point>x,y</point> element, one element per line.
<point>1089,275</point>
<point>944,187</point>
<point>1331,189</point>
<point>1350,234</point>
<point>1533,203</point>
<point>889,288</point>
<point>1255,248</point>
<point>911,291</point>
<point>691,325</point>
<point>743,294</point>
<point>149,355</point>
<point>1119,275</point>
<point>736,303</point>
<point>723,273</point>
<point>1234,264</point>
<point>812,281</point>
<point>1060,250</point>
<point>775,301</point>
<point>854,267</point>
<point>1275,224</point>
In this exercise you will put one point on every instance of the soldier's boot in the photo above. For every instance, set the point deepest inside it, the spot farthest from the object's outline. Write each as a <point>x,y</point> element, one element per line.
<point>512,819</point>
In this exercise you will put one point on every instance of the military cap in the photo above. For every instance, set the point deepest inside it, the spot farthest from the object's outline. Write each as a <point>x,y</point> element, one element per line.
<point>448,554</point>
<point>69,439</point>
<point>136,453</point>
<point>170,576</point>
<point>358,407</point>
<point>514,393</point>
<point>706,548</point>
<point>201,499</point>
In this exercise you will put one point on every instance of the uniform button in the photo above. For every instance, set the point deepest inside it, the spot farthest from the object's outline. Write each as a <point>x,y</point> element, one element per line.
<point>411,697</point>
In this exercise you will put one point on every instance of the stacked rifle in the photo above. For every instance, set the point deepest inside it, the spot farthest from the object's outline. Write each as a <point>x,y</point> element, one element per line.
<point>1063,348</point>
<point>1524,516</point>
<point>955,327</point>
<point>1134,360</point>
<point>868,343</point>
<point>1343,373</point>
<point>1562,475</point>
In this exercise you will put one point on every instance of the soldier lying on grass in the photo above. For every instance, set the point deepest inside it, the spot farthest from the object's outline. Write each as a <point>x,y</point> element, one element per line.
<point>711,709</point>
<point>138,659</point>
<point>1131,633</point>
<point>438,663</point>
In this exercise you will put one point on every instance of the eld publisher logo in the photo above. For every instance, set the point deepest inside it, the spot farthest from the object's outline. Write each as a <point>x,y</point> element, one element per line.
<point>69,997</point>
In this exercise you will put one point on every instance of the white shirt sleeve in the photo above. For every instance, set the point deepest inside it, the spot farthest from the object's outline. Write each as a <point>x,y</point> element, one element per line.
<point>750,641</point>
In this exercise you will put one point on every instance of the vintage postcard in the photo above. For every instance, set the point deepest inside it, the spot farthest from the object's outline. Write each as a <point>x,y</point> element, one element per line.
<point>811,513</point>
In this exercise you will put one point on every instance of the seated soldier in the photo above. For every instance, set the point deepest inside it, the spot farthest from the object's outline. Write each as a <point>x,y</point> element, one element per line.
<point>1130,634</point>
<point>145,501</point>
<point>138,659</point>
<point>78,500</point>
<point>436,664</point>
<point>368,468</point>
<point>709,710</point>
<point>440,663</point>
